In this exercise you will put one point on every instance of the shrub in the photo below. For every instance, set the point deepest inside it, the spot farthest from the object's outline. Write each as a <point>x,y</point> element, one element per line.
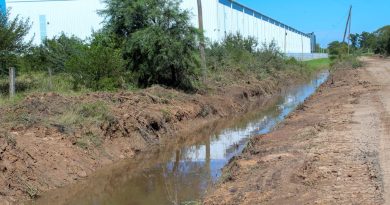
<point>157,39</point>
<point>244,54</point>
<point>53,54</point>
<point>337,50</point>
<point>383,40</point>
<point>98,66</point>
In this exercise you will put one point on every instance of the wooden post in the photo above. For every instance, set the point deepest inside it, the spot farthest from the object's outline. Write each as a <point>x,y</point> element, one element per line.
<point>50,79</point>
<point>285,41</point>
<point>202,43</point>
<point>11,82</point>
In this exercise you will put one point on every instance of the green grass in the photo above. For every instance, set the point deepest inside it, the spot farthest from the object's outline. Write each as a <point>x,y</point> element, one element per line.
<point>5,100</point>
<point>318,64</point>
<point>89,140</point>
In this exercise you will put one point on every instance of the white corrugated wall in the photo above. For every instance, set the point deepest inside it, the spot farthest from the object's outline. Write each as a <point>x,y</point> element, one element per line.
<point>220,19</point>
<point>76,17</point>
<point>79,17</point>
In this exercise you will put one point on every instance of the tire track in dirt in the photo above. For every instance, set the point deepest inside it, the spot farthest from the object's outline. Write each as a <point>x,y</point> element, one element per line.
<point>379,73</point>
<point>334,150</point>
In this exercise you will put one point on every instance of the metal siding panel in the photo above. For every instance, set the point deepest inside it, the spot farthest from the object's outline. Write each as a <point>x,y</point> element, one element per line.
<point>59,18</point>
<point>3,7</point>
<point>221,22</point>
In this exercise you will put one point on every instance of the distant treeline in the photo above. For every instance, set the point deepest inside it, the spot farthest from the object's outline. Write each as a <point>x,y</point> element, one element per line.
<point>377,42</point>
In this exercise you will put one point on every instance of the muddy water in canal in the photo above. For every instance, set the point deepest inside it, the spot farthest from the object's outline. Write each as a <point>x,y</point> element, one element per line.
<point>181,173</point>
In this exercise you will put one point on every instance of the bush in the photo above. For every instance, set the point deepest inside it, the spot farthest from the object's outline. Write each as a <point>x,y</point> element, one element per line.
<point>338,50</point>
<point>383,40</point>
<point>157,39</point>
<point>97,67</point>
<point>239,53</point>
<point>53,54</point>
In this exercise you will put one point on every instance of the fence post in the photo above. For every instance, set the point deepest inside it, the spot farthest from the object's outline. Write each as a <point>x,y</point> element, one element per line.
<point>50,79</point>
<point>11,81</point>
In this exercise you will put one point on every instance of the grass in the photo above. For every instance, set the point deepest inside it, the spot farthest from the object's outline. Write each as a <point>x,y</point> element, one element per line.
<point>85,113</point>
<point>5,100</point>
<point>318,64</point>
<point>9,138</point>
<point>89,140</point>
<point>37,82</point>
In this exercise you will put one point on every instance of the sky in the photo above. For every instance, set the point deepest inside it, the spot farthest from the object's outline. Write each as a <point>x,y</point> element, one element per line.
<point>326,18</point>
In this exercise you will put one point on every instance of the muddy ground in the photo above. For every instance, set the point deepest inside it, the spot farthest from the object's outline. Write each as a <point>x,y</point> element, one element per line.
<point>334,149</point>
<point>50,140</point>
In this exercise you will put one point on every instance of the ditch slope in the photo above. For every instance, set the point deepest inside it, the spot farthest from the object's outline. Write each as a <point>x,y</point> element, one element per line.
<point>50,140</point>
<point>334,149</point>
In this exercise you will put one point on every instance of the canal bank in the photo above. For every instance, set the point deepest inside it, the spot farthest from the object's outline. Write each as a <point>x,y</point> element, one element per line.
<point>52,140</point>
<point>331,150</point>
<point>181,172</point>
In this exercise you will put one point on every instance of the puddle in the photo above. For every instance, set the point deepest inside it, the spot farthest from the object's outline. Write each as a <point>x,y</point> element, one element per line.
<point>181,174</point>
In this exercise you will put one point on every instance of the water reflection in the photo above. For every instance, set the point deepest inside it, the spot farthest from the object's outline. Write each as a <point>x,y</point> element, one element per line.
<point>181,173</point>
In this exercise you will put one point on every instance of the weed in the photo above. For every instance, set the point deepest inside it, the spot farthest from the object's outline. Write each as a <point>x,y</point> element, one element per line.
<point>82,143</point>
<point>69,118</point>
<point>23,118</point>
<point>227,176</point>
<point>89,140</point>
<point>166,115</point>
<point>85,113</point>
<point>97,110</point>
<point>32,191</point>
<point>10,139</point>
<point>191,203</point>
<point>301,106</point>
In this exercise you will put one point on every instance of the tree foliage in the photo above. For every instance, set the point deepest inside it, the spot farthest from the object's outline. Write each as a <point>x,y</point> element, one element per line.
<point>97,66</point>
<point>383,42</point>
<point>157,40</point>
<point>337,50</point>
<point>377,42</point>
<point>245,54</point>
<point>12,38</point>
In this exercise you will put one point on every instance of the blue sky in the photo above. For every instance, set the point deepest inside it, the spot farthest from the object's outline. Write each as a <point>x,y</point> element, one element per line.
<point>327,18</point>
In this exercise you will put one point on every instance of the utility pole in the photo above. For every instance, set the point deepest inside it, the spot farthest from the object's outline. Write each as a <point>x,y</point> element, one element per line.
<point>348,25</point>
<point>202,43</point>
<point>349,29</point>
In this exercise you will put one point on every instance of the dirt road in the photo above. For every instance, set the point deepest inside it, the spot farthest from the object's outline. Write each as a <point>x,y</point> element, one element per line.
<point>335,149</point>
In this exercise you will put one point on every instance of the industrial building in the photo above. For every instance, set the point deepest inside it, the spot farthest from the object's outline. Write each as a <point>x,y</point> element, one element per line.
<point>2,6</point>
<point>51,17</point>
<point>220,17</point>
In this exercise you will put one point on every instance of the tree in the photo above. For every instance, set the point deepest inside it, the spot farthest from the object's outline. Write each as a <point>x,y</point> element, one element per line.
<point>354,38</point>
<point>337,50</point>
<point>157,39</point>
<point>367,41</point>
<point>383,43</point>
<point>53,53</point>
<point>12,38</point>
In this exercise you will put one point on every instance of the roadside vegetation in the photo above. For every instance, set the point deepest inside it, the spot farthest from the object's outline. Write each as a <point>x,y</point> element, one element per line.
<point>139,46</point>
<point>344,55</point>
